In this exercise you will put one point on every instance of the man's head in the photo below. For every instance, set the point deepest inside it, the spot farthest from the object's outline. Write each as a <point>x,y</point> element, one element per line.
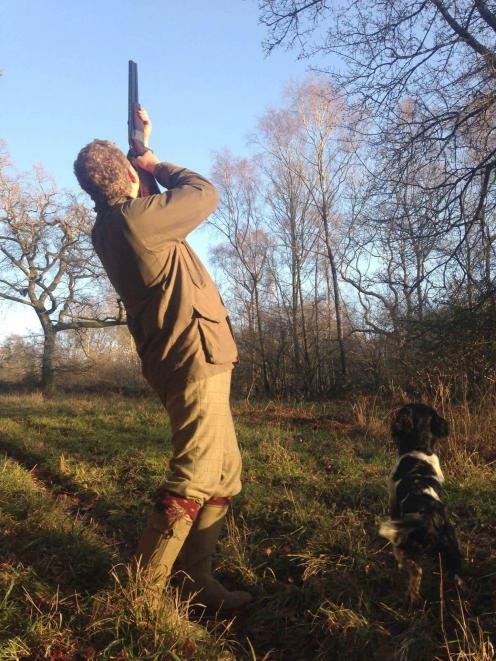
<point>104,173</point>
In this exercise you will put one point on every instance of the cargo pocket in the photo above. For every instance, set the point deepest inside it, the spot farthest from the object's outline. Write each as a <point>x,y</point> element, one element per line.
<point>215,334</point>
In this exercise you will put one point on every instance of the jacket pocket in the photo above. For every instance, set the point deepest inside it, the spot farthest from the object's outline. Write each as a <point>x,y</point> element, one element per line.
<point>215,334</point>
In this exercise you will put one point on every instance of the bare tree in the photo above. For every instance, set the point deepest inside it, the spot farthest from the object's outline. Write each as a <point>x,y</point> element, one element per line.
<point>239,219</point>
<point>46,259</point>
<point>289,219</point>
<point>440,53</point>
<point>305,142</point>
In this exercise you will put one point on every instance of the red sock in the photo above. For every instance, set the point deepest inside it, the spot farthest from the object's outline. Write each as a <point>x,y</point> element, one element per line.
<point>219,501</point>
<point>174,507</point>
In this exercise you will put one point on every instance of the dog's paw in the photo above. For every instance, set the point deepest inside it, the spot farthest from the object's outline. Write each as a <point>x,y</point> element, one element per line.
<point>461,587</point>
<point>415,599</point>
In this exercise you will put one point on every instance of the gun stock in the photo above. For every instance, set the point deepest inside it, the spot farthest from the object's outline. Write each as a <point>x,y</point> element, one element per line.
<point>148,185</point>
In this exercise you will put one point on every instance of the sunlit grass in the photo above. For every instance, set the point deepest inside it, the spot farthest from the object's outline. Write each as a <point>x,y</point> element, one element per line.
<point>75,483</point>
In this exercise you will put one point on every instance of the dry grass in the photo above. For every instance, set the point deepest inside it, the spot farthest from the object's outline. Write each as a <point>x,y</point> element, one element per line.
<point>74,489</point>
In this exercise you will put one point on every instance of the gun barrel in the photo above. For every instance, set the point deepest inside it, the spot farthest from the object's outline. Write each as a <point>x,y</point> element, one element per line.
<point>148,185</point>
<point>132,103</point>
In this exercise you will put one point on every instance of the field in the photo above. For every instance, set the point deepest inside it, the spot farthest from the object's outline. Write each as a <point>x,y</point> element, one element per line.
<point>76,475</point>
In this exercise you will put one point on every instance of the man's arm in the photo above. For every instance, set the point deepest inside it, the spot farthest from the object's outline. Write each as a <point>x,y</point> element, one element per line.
<point>140,128</point>
<point>170,216</point>
<point>147,125</point>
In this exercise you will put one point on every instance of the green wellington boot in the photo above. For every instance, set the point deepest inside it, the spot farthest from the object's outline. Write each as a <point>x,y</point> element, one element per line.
<point>196,561</point>
<point>158,548</point>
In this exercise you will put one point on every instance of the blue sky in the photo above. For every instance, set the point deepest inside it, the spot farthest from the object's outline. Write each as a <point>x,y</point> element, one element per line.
<point>203,77</point>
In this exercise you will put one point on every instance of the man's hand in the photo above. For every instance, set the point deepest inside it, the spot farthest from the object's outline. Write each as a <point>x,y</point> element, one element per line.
<point>142,115</point>
<point>147,161</point>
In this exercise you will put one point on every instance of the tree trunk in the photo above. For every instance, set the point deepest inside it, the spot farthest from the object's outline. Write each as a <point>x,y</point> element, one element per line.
<point>320,381</point>
<point>261,341</point>
<point>337,301</point>
<point>48,361</point>
<point>308,376</point>
<point>294,314</point>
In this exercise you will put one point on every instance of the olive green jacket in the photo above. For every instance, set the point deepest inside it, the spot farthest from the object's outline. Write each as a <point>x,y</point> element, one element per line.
<point>174,311</point>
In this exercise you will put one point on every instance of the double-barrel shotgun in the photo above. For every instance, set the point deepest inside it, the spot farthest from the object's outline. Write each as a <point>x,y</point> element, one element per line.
<point>148,185</point>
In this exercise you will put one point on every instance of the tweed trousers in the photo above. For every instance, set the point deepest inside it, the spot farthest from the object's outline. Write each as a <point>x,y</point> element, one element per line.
<point>206,460</point>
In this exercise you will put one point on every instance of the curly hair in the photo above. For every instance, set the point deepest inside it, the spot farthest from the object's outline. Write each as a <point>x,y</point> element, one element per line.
<point>102,171</point>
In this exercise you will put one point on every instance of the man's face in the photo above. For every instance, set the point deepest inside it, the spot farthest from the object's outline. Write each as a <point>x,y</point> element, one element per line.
<point>134,181</point>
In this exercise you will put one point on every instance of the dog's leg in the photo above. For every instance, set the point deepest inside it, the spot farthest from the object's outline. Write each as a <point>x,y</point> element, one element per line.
<point>451,556</point>
<point>415,578</point>
<point>414,571</point>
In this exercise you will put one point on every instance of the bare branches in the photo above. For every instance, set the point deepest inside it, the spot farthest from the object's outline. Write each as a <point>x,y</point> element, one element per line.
<point>440,54</point>
<point>46,258</point>
<point>487,15</point>
<point>289,21</point>
<point>342,238</point>
<point>464,34</point>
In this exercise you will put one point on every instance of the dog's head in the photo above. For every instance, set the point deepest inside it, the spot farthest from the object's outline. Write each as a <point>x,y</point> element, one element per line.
<point>418,427</point>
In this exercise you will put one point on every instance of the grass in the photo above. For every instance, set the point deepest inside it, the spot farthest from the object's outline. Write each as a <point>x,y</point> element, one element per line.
<point>76,476</point>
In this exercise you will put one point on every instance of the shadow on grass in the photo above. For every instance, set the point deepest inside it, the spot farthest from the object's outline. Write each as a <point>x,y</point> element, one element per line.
<point>59,557</point>
<point>118,500</point>
<point>81,502</point>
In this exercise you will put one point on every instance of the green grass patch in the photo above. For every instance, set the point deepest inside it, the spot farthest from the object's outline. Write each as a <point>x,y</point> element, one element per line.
<point>76,479</point>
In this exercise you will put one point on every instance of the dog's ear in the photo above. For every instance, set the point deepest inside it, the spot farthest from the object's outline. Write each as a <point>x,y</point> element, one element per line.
<point>439,426</point>
<point>402,422</point>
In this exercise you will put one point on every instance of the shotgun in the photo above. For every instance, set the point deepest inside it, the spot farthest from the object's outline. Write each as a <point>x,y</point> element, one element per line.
<point>148,185</point>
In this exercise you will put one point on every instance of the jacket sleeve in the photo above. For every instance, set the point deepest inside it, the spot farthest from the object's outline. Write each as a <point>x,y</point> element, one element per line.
<point>170,216</point>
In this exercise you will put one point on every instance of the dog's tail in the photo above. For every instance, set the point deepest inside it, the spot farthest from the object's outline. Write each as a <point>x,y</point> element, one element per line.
<point>397,532</point>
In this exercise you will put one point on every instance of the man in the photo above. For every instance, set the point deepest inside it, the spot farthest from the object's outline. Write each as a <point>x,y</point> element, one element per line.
<point>184,339</point>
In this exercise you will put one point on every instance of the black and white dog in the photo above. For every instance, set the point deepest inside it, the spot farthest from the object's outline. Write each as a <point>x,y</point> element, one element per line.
<point>419,523</point>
